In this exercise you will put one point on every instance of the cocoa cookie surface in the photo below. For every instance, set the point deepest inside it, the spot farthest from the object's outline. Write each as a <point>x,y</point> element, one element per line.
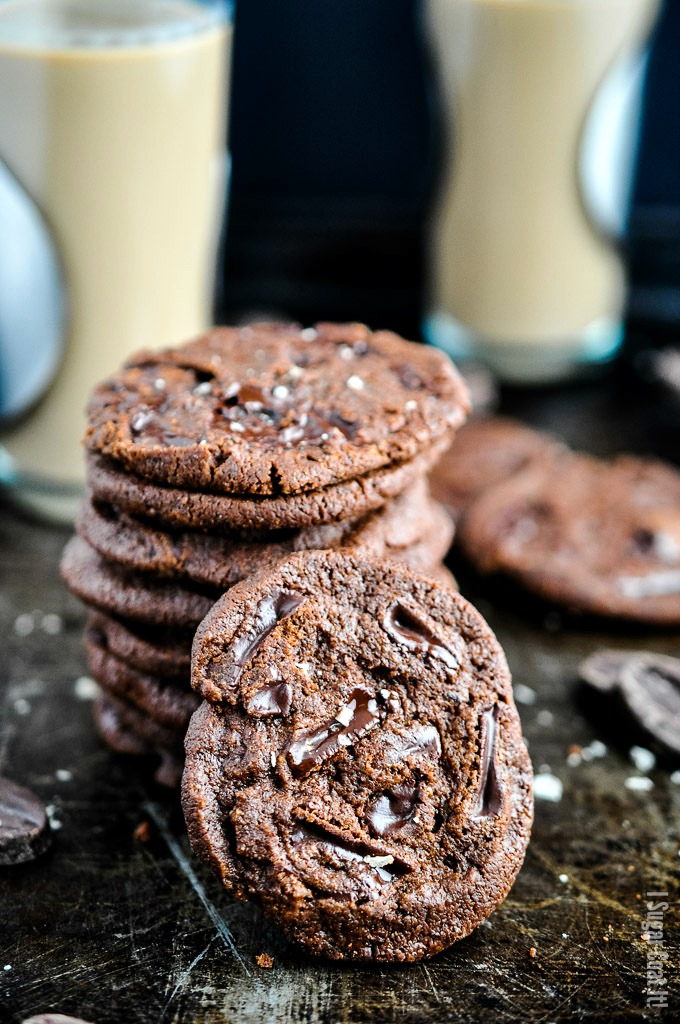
<point>24,826</point>
<point>359,770</point>
<point>484,452</point>
<point>153,649</point>
<point>132,595</point>
<point>177,507</point>
<point>128,731</point>
<point>270,409</point>
<point>597,537</point>
<point>165,701</point>
<point>222,559</point>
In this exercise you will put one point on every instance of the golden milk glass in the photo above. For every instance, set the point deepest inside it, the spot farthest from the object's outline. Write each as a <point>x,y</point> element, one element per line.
<point>113,123</point>
<point>540,101</point>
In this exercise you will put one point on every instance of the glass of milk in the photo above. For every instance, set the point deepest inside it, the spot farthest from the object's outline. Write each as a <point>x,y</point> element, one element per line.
<point>112,143</point>
<point>540,102</point>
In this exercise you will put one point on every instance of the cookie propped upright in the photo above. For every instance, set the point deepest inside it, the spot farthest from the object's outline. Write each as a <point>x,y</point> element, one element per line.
<point>357,767</point>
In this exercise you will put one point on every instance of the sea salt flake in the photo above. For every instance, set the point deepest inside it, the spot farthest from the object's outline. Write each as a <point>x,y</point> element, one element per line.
<point>309,334</point>
<point>564,879</point>
<point>204,388</point>
<point>22,707</point>
<point>63,775</point>
<point>238,428</point>
<point>643,759</point>
<point>51,624</point>
<point>344,715</point>
<point>524,694</point>
<point>639,784</point>
<point>355,383</point>
<point>24,624</point>
<point>85,688</point>
<point>378,862</point>
<point>280,391</point>
<point>548,787</point>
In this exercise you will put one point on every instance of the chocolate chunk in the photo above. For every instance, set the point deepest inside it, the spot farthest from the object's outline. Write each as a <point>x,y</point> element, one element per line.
<point>354,719</point>
<point>53,1018</point>
<point>602,670</point>
<point>274,699</point>
<point>24,828</point>
<point>414,634</point>
<point>490,799</point>
<point>268,614</point>
<point>392,810</point>
<point>650,687</point>
<point>645,689</point>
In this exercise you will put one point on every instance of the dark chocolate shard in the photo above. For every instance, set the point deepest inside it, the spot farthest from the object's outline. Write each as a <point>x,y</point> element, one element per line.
<point>274,699</point>
<point>381,867</point>
<point>650,688</point>
<point>393,809</point>
<point>407,628</point>
<point>352,721</point>
<point>602,670</point>
<point>490,793</point>
<point>24,828</point>
<point>270,611</point>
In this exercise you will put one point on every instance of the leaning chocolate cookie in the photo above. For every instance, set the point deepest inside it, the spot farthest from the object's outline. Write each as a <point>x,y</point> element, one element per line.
<point>596,537</point>
<point>358,767</point>
<point>270,409</point>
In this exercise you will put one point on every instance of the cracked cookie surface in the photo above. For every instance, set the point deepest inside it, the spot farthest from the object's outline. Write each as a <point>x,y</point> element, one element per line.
<point>270,409</point>
<point>357,767</point>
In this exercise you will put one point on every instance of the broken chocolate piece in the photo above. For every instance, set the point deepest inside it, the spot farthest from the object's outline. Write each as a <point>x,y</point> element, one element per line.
<point>24,828</point>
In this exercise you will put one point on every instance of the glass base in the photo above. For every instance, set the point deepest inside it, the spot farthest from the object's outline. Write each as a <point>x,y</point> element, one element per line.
<point>47,500</point>
<point>536,362</point>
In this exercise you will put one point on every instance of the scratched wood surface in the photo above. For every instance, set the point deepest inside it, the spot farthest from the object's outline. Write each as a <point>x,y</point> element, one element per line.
<point>114,930</point>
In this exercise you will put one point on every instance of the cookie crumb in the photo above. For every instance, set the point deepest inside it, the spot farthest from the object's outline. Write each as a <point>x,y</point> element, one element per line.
<point>142,834</point>
<point>532,952</point>
<point>265,960</point>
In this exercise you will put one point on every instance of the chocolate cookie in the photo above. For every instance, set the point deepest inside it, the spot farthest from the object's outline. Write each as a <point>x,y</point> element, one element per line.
<point>173,506</point>
<point>132,595</point>
<point>596,537</point>
<point>24,827</point>
<point>165,701</point>
<point>128,731</point>
<point>153,649</point>
<point>270,409</point>
<point>360,771</point>
<point>220,560</point>
<point>484,452</point>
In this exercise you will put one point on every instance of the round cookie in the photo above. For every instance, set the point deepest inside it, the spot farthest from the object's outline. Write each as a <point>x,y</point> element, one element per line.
<point>127,731</point>
<point>177,507</point>
<point>220,560</point>
<point>164,701</point>
<point>152,649</point>
<point>132,595</point>
<point>484,452</point>
<point>359,770</point>
<point>597,537</point>
<point>270,409</point>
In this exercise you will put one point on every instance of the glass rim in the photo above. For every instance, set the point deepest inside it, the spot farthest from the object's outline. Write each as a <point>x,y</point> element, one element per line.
<point>41,25</point>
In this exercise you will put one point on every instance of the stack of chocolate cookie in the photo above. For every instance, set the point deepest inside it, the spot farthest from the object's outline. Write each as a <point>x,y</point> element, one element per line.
<point>212,460</point>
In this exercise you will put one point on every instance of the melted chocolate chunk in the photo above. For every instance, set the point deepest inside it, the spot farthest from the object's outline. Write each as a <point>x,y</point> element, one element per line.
<point>382,867</point>
<point>270,612</point>
<point>311,749</point>
<point>24,829</point>
<point>490,799</point>
<point>650,687</point>
<point>424,739</point>
<point>256,413</point>
<point>271,700</point>
<point>394,809</point>
<point>414,634</point>
<point>146,428</point>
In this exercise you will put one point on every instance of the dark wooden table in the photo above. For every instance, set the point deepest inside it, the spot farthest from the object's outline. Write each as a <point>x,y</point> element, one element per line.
<point>122,932</point>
